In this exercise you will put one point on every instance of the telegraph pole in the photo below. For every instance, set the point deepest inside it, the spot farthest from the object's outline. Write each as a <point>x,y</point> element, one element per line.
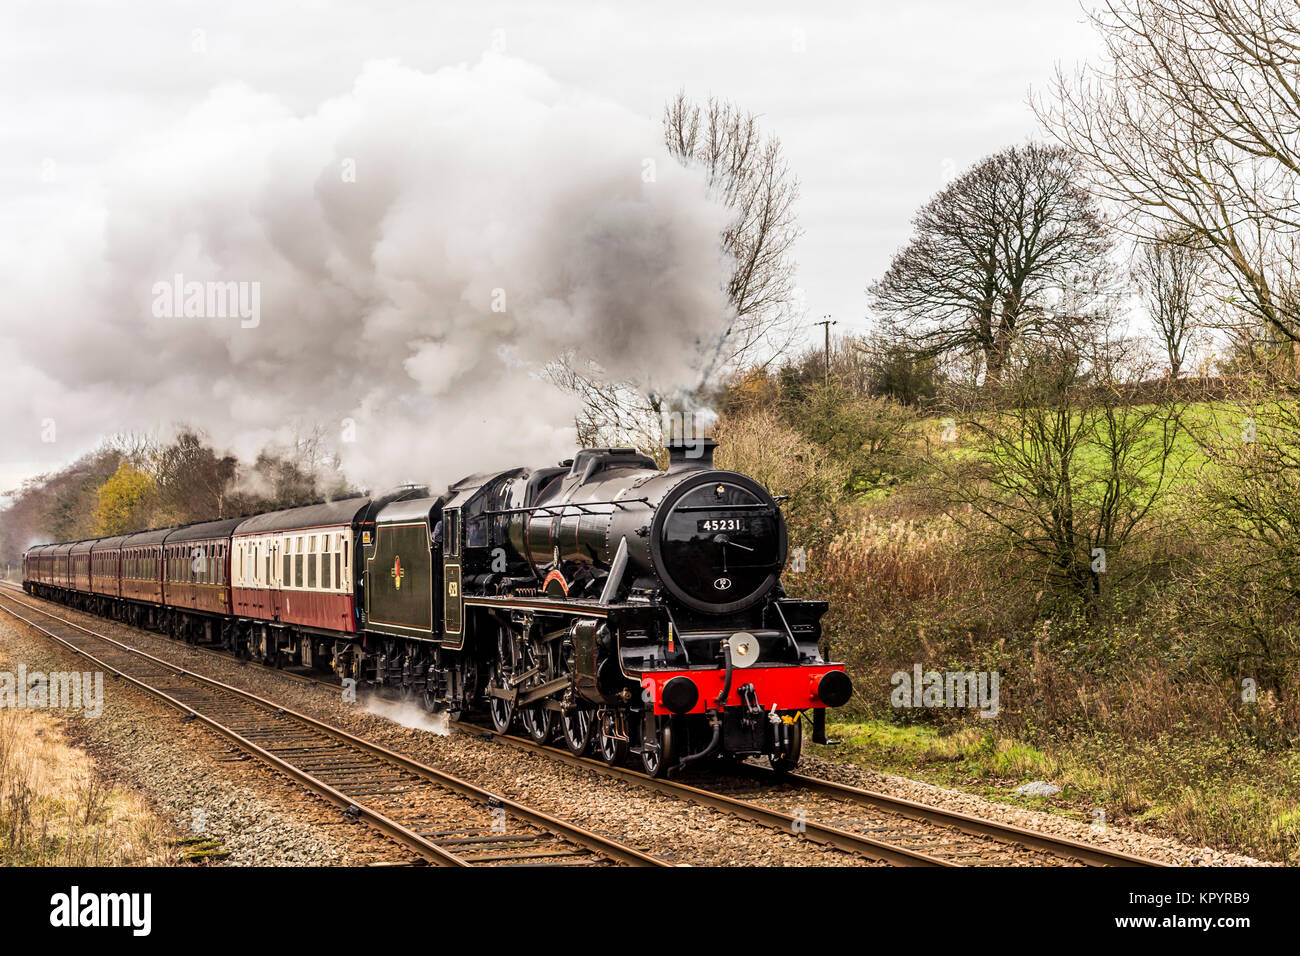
<point>826,324</point>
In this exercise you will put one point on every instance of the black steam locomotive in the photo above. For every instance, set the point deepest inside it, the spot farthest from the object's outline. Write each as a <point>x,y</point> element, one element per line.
<point>625,607</point>
<point>604,601</point>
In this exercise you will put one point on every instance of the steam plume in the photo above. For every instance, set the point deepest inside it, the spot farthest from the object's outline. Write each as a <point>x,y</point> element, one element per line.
<point>422,246</point>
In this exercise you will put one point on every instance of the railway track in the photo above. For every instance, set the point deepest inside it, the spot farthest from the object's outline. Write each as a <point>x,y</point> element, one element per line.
<point>443,819</point>
<point>944,837</point>
<point>869,824</point>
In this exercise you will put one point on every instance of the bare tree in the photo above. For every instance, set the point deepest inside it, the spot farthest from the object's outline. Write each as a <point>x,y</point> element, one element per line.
<point>612,413</point>
<point>193,481</point>
<point>1062,464</point>
<point>302,470</point>
<point>993,255</point>
<point>1166,273</point>
<point>1189,124</point>
<point>747,171</point>
<point>1250,499</point>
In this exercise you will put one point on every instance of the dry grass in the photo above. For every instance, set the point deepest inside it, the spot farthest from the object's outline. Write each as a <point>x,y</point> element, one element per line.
<point>905,590</point>
<point>55,810</point>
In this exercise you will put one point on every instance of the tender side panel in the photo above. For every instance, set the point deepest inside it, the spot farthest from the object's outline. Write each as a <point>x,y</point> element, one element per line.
<point>399,596</point>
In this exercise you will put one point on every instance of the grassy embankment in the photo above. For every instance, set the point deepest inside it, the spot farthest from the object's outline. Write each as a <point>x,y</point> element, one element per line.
<point>1122,705</point>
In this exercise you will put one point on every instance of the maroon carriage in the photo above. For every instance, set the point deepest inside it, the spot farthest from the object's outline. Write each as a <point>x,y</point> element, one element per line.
<point>36,568</point>
<point>197,566</point>
<point>79,566</point>
<point>60,566</point>
<point>141,556</point>
<point>291,575</point>
<point>106,567</point>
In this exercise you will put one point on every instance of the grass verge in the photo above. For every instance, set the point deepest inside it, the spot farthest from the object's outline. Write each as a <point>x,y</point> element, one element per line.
<point>1211,792</point>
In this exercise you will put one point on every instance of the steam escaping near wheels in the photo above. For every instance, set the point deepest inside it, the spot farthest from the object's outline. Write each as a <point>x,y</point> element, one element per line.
<point>407,714</point>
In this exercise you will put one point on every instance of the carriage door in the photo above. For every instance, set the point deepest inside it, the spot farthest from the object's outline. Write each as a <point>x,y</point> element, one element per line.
<point>453,600</point>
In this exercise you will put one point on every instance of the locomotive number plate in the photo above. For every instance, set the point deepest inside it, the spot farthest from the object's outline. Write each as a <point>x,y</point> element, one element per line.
<point>721,524</point>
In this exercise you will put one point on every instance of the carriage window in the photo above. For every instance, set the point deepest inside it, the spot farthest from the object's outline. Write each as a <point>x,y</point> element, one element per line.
<point>311,565</point>
<point>297,570</point>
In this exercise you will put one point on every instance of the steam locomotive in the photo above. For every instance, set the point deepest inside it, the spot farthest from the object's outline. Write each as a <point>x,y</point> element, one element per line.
<point>605,602</point>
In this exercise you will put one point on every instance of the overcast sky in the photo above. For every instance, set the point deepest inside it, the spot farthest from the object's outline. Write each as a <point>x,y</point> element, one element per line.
<point>876,103</point>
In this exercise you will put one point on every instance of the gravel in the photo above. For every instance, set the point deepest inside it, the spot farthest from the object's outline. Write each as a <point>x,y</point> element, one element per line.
<point>1130,841</point>
<point>198,782</point>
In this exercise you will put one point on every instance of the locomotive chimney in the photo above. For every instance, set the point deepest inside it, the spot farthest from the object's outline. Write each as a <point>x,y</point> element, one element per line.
<point>689,452</point>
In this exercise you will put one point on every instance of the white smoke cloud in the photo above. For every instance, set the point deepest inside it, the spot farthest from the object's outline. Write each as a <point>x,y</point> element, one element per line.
<point>422,245</point>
